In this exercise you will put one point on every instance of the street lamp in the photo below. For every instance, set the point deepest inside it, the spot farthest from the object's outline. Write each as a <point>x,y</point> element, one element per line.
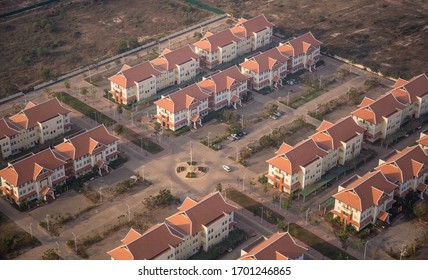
<point>261,216</point>
<point>129,212</point>
<point>170,185</point>
<point>57,245</point>
<point>271,130</point>
<point>101,195</point>
<point>288,97</point>
<point>237,153</point>
<point>243,181</point>
<point>208,140</point>
<point>31,230</point>
<point>143,172</point>
<point>47,221</point>
<point>75,242</point>
<point>307,213</point>
<point>365,249</point>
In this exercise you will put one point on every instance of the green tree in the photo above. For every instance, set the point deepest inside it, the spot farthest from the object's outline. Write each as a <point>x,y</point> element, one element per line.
<point>83,91</point>
<point>266,141</point>
<point>67,84</point>
<point>50,254</point>
<point>119,109</point>
<point>420,210</point>
<point>234,127</point>
<point>343,235</point>
<point>157,128</point>
<point>218,187</point>
<point>273,108</point>
<point>197,35</point>
<point>118,129</point>
<point>45,73</point>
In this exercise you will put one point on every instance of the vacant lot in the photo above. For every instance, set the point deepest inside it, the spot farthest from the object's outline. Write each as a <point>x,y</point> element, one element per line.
<point>47,42</point>
<point>389,35</point>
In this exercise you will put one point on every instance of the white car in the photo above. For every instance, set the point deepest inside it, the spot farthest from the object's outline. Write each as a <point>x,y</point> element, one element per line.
<point>227,168</point>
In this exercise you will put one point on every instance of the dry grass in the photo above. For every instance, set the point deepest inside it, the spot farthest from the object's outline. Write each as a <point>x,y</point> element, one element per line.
<point>64,36</point>
<point>387,35</point>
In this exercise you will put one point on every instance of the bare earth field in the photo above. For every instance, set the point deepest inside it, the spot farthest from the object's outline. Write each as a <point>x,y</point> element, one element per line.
<point>386,35</point>
<point>61,37</point>
<point>7,6</point>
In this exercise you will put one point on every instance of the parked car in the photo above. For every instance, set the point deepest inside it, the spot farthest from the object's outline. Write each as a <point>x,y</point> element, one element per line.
<point>236,136</point>
<point>278,114</point>
<point>241,133</point>
<point>249,148</point>
<point>419,126</point>
<point>273,117</point>
<point>231,138</point>
<point>216,146</point>
<point>227,168</point>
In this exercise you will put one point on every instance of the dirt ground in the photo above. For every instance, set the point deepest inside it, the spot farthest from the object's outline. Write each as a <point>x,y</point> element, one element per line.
<point>389,35</point>
<point>7,6</point>
<point>61,37</point>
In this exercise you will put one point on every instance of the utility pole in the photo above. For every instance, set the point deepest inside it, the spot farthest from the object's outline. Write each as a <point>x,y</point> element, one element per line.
<point>143,173</point>
<point>75,242</point>
<point>57,245</point>
<point>288,97</point>
<point>237,153</point>
<point>307,213</point>
<point>101,194</point>
<point>243,181</point>
<point>191,154</point>
<point>208,141</point>
<point>261,216</point>
<point>31,230</point>
<point>242,121</point>
<point>365,249</point>
<point>47,221</point>
<point>129,212</point>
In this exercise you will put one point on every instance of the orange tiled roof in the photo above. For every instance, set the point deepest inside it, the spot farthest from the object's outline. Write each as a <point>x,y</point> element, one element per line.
<point>32,167</point>
<point>86,143</point>
<point>207,210</point>
<point>265,61</point>
<point>32,115</point>
<point>179,56</point>
<point>128,76</point>
<point>423,141</point>
<point>223,80</point>
<point>213,42</point>
<point>283,149</point>
<point>404,165</point>
<point>384,106</point>
<point>417,86</point>
<point>6,129</point>
<point>302,154</point>
<point>149,245</point>
<point>254,25</point>
<point>362,192</point>
<point>279,246</point>
<point>301,44</point>
<point>182,98</point>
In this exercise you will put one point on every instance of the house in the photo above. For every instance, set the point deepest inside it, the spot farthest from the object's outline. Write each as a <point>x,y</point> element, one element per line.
<point>413,92</point>
<point>33,177</point>
<point>197,226</point>
<point>218,48</point>
<point>422,141</point>
<point>133,84</point>
<point>254,33</point>
<point>226,88</point>
<point>184,107</point>
<point>35,124</point>
<point>361,201</point>
<point>244,37</point>
<point>407,169</point>
<point>381,117</point>
<point>266,69</point>
<point>297,167</point>
<point>92,148</point>
<point>304,52</point>
<point>341,141</point>
<point>280,246</point>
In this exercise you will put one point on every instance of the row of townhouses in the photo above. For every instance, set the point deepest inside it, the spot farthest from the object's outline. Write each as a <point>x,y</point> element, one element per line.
<point>361,201</point>
<point>385,115</point>
<point>132,84</point>
<point>36,175</point>
<point>198,226</point>
<point>295,168</point>
<point>33,125</point>
<point>187,106</point>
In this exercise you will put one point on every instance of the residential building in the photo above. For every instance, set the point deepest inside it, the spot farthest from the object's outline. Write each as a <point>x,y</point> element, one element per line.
<point>297,167</point>
<point>33,177</point>
<point>197,226</point>
<point>133,84</point>
<point>381,117</point>
<point>266,69</point>
<point>304,52</point>
<point>184,107</point>
<point>33,125</point>
<point>254,33</point>
<point>226,88</point>
<point>93,148</point>
<point>407,169</point>
<point>341,141</point>
<point>244,37</point>
<point>422,141</point>
<point>280,246</point>
<point>218,48</point>
<point>413,92</point>
<point>361,201</point>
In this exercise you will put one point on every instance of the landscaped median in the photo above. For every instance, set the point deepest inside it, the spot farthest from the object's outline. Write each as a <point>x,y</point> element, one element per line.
<point>90,112</point>
<point>310,239</point>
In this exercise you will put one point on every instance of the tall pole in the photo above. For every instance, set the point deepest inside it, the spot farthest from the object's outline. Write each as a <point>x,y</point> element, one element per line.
<point>75,242</point>
<point>261,216</point>
<point>47,221</point>
<point>31,230</point>
<point>237,153</point>
<point>280,204</point>
<point>143,172</point>
<point>242,121</point>
<point>288,97</point>
<point>101,194</point>
<point>307,213</point>
<point>191,154</point>
<point>129,212</point>
<point>57,245</point>
<point>243,181</point>
<point>208,140</point>
<point>170,186</point>
<point>365,249</point>
<point>141,143</point>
